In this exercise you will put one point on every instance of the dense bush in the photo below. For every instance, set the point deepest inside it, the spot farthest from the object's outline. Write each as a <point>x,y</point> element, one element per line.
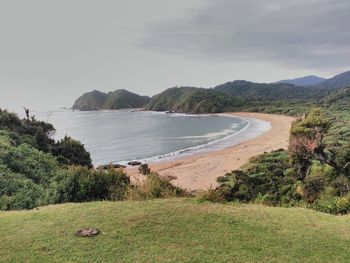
<point>80,184</point>
<point>17,192</point>
<point>38,135</point>
<point>332,205</point>
<point>71,152</point>
<point>154,187</point>
<point>33,164</point>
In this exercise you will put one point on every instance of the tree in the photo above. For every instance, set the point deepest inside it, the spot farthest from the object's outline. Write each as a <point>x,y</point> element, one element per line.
<point>306,140</point>
<point>71,152</point>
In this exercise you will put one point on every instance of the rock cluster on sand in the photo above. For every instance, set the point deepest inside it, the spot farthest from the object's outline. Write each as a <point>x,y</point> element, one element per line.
<point>111,166</point>
<point>134,163</point>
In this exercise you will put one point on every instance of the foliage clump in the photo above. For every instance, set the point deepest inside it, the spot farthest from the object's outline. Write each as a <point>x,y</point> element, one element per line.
<point>154,187</point>
<point>35,170</point>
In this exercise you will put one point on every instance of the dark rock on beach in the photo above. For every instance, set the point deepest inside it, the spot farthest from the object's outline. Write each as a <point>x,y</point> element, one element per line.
<point>134,163</point>
<point>111,166</point>
<point>117,166</point>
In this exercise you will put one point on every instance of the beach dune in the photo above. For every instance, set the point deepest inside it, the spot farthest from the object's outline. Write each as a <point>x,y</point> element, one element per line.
<point>199,171</point>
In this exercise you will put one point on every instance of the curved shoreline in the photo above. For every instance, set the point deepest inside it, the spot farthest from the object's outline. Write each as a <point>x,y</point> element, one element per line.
<point>253,128</point>
<point>199,171</point>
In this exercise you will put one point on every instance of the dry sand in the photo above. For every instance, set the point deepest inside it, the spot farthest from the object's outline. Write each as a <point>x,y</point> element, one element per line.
<point>199,171</point>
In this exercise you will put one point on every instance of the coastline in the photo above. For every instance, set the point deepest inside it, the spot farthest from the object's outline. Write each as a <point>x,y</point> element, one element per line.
<point>254,127</point>
<point>200,170</point>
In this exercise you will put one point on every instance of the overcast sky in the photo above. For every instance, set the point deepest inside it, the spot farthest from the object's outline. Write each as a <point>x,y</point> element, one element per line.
<point>53,51</point>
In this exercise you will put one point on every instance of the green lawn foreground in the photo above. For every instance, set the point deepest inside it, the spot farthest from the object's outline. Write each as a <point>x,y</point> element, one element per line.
<point>173,230</point>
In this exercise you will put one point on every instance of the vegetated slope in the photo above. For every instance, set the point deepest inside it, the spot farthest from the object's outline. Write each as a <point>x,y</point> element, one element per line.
<point>332,89</point>
<point>339,99</point>
<point>173,230</point>
<point>234,95</point>
<point>37,170</point>
<point>193,100</point>
<point>269,93</point>
<point>119,99</point>
<point>337,82</point>
<point>306,81</point>
<point>90,101</point>
<point>264,91</point>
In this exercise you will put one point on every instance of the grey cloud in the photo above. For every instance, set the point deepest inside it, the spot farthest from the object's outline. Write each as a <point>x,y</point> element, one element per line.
<point>311,34</point>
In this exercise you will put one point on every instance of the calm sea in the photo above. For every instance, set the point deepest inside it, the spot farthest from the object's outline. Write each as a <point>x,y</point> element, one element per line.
<point>121,136</point>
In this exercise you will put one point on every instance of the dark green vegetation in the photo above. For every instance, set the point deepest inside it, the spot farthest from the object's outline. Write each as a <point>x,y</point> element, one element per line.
<point>36,170</point>
<point>193,100</point>
<point>239,95</point>
<point>119,99</point>
<point>173,230</point>
<point>339,99</point>
<point>314,172</point>
<point>37,134</point>
<point>263,92</point>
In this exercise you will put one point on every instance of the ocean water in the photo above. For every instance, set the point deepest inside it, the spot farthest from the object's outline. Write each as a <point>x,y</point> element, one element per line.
<point>121,136</point>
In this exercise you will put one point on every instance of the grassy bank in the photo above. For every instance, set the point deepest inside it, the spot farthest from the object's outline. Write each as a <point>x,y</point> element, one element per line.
<point>173,230</point>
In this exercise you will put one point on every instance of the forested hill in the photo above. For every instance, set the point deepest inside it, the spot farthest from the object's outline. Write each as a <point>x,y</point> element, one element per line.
<point>264,91</point>
<point>194,100</point>
<point>234,95</point>
<point>119,99</point>
<point>339,99</point>
<point>338,82</point>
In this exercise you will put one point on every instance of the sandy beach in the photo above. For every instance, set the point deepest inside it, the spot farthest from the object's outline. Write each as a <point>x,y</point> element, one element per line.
<point>199,171</point>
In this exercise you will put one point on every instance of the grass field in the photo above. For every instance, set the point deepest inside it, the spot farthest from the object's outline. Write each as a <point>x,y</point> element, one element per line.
<point>174,230</point>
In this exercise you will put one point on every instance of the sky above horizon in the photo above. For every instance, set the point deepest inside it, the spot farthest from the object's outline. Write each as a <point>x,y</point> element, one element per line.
<point>51,52</point>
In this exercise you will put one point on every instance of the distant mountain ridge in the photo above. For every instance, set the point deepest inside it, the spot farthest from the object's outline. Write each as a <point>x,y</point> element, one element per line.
<point>233,95</point>
<point>337,82</point>
<point>263,91</point>
<point>119,99</point>
<point>306,81</point>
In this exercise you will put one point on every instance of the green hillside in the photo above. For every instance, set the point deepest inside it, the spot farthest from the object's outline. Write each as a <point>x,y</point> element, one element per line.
<point>339,99</point>
<point>337,82</point>
<point>193,100</point>
<point>230,96</point>
<point>264,91</point>
<point>90,101</point>
<point>173,230</point>
<point>119,99</point>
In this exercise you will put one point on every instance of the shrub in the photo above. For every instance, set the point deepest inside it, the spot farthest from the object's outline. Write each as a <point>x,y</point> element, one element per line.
<point>80,184</point>
<point>323,170</point>
<point>343,159</point>
<point>154,187</point>
<point>217,195</point>
<point>313,186</point>
<point>30,162</point>
<point>306,140</point>
<point>332,205</point>
<point>71,152</point>
<point>5,141</point>
<point>222,179</point>
<point>341,185</point>
<point>17,192</point>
